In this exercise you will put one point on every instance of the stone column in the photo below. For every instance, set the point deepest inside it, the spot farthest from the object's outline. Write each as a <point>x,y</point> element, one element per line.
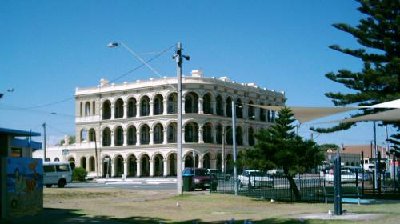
<point>214,107</point>
<point>183,105</point>
<point>125,167</point>
<point>112,138</point>
<point>137,137</point>
<point>124,131</point>
<point>165,166</point>
<point>213,163</point>
<point>165,105</point>
<point>151,107</point>
<point>152,167</point>
<point>224,106</point>
<point>138,167</point>
<point>151,137</point>
<point>138,109</point>
<point>165,135</point>
<point>113,167</point>
<point>112,111</point>
<point>125,110</point>
<point>200,105</point>
<point>200,134</point>
<point>200,162</point>
<point>245,110</point>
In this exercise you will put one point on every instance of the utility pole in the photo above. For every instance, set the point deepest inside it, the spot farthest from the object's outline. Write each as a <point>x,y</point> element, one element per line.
<point>234,146</point>
<point>179,58</point>
<point>376,171</point>
<point>223,152</point>
<point>44,141</point>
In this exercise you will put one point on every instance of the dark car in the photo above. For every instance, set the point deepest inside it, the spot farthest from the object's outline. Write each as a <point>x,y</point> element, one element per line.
<point>201,178</point>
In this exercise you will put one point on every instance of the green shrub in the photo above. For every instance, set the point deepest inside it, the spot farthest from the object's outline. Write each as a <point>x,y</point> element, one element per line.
<point>79,174</point>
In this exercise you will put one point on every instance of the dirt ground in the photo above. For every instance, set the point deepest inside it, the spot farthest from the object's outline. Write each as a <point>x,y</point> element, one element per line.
<point>80,205</point>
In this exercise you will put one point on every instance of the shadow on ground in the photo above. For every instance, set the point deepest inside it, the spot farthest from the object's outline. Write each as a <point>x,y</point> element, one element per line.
<point>58,216</point>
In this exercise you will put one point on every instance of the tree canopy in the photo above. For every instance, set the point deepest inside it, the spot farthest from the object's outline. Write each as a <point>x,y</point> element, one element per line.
<point>280,147</point>
<point>378,36</point>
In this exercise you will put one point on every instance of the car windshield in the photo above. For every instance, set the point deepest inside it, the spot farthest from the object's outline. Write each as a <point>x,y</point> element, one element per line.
<point>201,172</point>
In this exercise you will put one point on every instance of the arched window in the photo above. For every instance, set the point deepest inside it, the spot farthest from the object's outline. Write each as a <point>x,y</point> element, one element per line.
<point>106,110</point>
<point>132,135</point>
<point>239,136</point>
<point>207,133</point>
<point>91,163</point>
<point>219,134</point>
<point>158,134</point>
<point>87,109</point>
<point>172,103</point>
<point>251,111</point>
<point>106,137</point>
<point>251,136</point>
<point>119,136</point>
<point>158,104</point>
<point>145,106</point>
<point>119,108</point>
<point>83,135</point>
<point>239,108</point>
<point>172,133</point>
<point>219,105</point>
<point>228,135</point>
<point>228,107</point>
<point>92,135</point>
<point>93,108</point>
<point>145,135</point>
<point>191,103</point>
<point>83,162</point>
<point>207,107</point>
<point>132,107</point>
<point>263,114</point>
<point>191,132</point>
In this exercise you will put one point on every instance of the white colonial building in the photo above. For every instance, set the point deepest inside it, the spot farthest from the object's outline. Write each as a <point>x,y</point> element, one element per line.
<point>132,127</point>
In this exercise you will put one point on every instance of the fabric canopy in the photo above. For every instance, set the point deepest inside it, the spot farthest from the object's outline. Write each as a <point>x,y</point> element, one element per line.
<point>305,114</point>
<point>389,115</point>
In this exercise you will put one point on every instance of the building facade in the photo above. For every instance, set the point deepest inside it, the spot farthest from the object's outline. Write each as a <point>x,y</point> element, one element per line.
<point>130,129</point>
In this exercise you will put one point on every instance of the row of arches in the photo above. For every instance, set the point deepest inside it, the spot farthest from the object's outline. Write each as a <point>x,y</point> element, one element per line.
<point>159,134</point>
<point>192,103</point>
<point>146,166</point>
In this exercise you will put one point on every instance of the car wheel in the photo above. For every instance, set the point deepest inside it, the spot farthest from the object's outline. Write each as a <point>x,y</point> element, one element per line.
<point>61,183</point>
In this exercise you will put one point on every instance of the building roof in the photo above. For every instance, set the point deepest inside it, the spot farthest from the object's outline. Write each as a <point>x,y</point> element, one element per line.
<point>357,149</point>
<point>18,133</point>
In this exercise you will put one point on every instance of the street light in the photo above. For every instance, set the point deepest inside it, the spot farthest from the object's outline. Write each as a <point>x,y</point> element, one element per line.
<point>234,147</point>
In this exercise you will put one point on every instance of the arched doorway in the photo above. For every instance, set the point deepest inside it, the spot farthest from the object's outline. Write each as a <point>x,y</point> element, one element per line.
<point>145,165</point>
<point>158,165</point>
<point>132,166</point>
<point>172,158</point>
<point>206,161</point>
<point>119,166</point>
<point>106,166</point>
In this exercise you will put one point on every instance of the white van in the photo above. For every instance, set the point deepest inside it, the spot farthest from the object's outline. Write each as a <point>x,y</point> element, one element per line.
<point>56,173</point>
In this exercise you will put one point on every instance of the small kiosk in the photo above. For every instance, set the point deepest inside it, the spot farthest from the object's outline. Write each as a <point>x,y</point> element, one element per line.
<point>21,185</point>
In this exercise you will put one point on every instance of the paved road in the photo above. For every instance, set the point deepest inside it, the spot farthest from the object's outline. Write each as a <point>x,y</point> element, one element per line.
<point>137,183</point>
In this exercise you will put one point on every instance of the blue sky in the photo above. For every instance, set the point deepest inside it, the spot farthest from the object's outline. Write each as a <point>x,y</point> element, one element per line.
<point>48,48</point>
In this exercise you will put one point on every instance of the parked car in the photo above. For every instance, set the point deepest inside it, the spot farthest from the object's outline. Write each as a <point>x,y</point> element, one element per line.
<point>56,173</point>
<point>201,178</point>
<point>218,174</point>
<point>255,178</point>
<point>346,175</point>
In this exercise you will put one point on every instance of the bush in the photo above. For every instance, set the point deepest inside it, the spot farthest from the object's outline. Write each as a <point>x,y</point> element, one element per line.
<point>79,174</point>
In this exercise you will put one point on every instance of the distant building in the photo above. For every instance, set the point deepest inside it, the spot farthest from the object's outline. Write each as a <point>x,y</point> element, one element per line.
<point>351,154</point>
<point>134,125</point>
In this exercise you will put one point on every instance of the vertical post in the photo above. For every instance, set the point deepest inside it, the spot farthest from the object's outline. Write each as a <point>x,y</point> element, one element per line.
<point>44,142</point>
<point>178,58</point>
<point>96,157</point>
<point>337,200</point>
<point>223,152</point>
<point>376,171</point>
<point>234,146</point>
<point>363,173</point>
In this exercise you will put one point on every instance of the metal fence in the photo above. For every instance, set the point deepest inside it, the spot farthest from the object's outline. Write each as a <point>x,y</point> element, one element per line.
<point>312,187</point>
